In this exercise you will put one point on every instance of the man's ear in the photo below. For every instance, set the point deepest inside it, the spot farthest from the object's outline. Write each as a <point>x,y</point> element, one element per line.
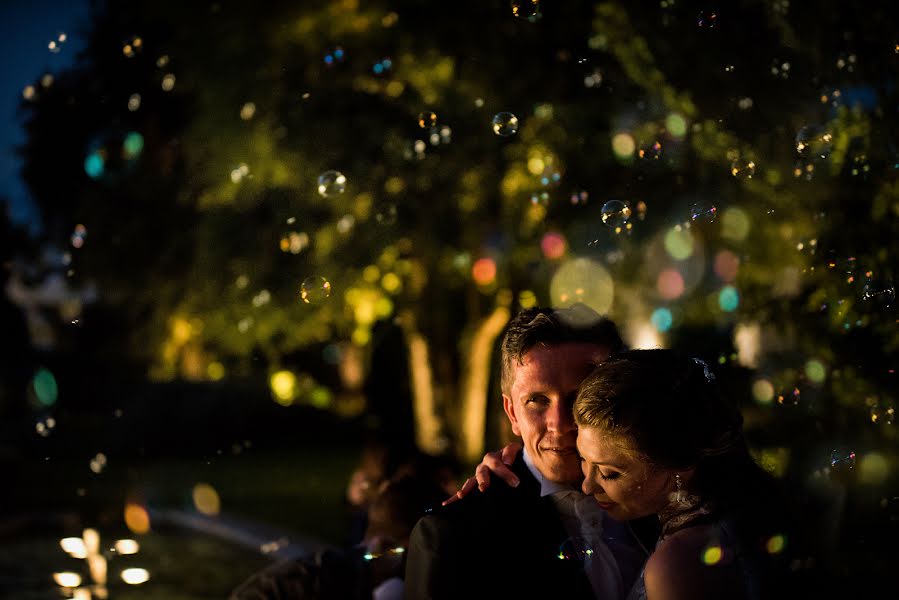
<point>509,407</point>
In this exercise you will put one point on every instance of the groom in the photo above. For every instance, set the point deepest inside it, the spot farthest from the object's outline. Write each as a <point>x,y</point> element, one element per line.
<point>542,538</point>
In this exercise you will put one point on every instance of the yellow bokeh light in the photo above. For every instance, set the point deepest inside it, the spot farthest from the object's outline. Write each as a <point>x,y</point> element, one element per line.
<point>527,299</point>
<point>735,224</point>
<point>206,499</point>
<point>215,371</point>
<point>284,387</point>
<point>536,165</point>
<point>679,243</point>
<point>815,370</point>
<point>391,283</point>
<point>394,185</point>
<point>712,555</point>
<point>623,145</point>
<point>776,544</point>
<point>383,307</point>
<point>181,330</point>
<point>582,280</point>
<point>361,336</point>
<point>676,125</point>
<point>370,274</point>
<point>873,468</point>
<point>763,391</point>
<point>136,518</point>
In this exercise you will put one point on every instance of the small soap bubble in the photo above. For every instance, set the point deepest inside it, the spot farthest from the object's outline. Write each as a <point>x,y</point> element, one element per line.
<point>505,124</point>
<point>331,183</point>
<point>615,214</point>
<point>706,19</point>
<point>526,9</point>
<point>842,459</point>
<point>386,215</point>
<point>575,548</point>
<point>703,212</point>
<point>814,142</point>
<point>742,168</point>
<point>878,294</point>
<point>427,119</point>
<point>315,289</point>
<point>651,151</point>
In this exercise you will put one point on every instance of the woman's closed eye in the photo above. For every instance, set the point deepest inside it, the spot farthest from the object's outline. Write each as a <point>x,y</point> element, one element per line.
<point>611,475</point>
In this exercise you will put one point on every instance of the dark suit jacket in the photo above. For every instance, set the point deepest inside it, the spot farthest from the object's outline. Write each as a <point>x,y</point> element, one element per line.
<point>503,543</point>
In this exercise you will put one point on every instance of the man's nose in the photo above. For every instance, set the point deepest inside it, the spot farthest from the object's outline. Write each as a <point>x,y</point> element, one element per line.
<point>560,417</point>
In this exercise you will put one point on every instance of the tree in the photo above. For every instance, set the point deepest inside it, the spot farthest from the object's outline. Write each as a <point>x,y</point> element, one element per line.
<point>751,147</point>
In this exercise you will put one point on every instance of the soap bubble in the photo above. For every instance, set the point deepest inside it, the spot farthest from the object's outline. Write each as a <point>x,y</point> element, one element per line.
<point>315,289</point>
<point>505,124</point>
<point>615,213</point>
<point>814,142</point>
<point>331,183</point>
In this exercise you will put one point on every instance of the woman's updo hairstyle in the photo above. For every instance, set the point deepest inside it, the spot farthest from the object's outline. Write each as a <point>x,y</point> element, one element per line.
<point>668,404</point>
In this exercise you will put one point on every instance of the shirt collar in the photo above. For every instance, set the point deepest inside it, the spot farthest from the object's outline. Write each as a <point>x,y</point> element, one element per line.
<point>547,487</point>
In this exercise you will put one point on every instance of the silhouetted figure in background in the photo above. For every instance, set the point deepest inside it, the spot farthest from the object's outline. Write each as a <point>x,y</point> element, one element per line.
<point>371,570</point>
<point>15,343</point>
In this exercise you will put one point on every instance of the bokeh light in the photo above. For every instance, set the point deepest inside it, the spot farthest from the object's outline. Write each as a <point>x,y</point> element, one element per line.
<point>624,145</point>
<point>712,555</point>
<point>206,499</point>
<point>284,387</point>
<point>137,519</point>
<point>135,576</point>
<point>728,298</point>
<point>483,271</point>
<point>726,266</point>
<point>763,391</point>
<point>662,319</point>
<point>670,284</point>
<point>815,370</point>
<point>679,243</point>
<point>553,245</point>
<point>44,386</point>
<point>735,224</point>
<point>582,280</point>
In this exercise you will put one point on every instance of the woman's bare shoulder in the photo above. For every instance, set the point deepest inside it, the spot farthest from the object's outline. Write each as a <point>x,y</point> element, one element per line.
<point>691,564</point>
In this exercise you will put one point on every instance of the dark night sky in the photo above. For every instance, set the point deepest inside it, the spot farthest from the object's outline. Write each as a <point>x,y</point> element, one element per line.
<point>27,28</point>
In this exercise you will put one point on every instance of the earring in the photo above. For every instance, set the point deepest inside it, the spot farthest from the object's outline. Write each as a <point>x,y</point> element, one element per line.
<point>680,494</point>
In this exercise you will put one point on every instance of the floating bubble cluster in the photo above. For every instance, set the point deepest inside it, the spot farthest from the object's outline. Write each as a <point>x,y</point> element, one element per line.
<point>878,294</point>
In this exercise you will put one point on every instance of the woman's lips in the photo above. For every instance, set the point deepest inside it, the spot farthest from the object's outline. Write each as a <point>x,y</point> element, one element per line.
<point>605,505</point>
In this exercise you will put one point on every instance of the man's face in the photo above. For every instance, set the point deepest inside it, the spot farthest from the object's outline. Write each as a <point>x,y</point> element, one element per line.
<point>539,405</point>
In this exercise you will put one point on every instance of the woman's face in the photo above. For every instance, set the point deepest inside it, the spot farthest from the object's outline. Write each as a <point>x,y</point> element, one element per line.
<point>620,479</point>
